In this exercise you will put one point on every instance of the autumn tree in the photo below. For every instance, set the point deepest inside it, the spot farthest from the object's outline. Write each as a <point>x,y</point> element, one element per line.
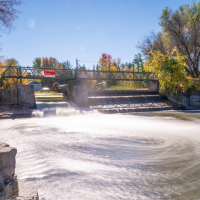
<point>10,81</point>
<point>180,29</point>
<point>50,63</point>
<point>37,62</point>
<point>171,72</point>
<point>104,62</point>
<point>8,13</point>
<point>11,62</point>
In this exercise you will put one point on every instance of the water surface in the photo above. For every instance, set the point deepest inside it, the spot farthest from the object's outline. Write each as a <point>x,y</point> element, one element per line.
<point>95,156</point>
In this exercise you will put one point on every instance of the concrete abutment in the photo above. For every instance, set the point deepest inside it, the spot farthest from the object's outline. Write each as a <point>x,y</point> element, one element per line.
<point>10,186</point>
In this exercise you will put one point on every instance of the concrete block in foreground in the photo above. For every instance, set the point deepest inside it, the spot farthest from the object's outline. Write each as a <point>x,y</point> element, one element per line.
<point>10,187</point>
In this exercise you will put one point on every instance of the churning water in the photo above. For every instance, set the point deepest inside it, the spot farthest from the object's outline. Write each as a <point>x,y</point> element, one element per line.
<point>85,155</point>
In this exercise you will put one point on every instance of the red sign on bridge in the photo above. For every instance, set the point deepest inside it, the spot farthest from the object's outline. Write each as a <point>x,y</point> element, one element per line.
<point>49,72</point>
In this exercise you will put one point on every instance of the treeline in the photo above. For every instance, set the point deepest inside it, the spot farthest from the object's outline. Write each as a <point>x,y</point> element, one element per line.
<point>51,63</point>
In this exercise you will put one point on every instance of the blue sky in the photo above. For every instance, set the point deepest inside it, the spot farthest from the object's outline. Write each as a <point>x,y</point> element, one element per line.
<point>83,29</point>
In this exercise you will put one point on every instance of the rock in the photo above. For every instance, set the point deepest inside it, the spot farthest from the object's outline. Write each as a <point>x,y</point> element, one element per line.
<point>11,188</point>
<point>26,192</point>
<point>7,161</point>
<point>2,186</point>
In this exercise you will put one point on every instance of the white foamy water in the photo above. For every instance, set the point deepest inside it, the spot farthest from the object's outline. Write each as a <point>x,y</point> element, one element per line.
<point>96,156</point>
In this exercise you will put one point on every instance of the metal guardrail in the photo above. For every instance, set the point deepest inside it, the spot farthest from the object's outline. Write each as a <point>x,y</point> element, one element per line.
<point>74,74</point>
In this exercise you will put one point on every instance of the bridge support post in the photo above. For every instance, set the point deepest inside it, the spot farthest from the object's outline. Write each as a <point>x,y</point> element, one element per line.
<point>109,72</point>
<point>20,74</point>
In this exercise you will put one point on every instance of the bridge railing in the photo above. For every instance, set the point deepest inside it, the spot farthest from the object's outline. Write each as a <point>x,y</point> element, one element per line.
<point>36,73</point>
<point>72,74</point>
<point>115,75</point>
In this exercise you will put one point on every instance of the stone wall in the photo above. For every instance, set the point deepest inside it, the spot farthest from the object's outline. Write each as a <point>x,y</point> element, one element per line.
<point>188,102</point>
<point>195,100</point>
<point>9,185</point>
<point>18,95</point>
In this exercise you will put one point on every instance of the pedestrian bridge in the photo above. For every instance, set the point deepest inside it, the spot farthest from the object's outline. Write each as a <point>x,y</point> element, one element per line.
<point>75,74</point>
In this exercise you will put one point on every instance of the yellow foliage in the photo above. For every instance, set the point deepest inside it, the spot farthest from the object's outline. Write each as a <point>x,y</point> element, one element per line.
<point>171,72</point>
<point>10,81</point>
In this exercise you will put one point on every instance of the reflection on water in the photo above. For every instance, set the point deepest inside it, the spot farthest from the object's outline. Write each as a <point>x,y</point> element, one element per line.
<point>96,156</point>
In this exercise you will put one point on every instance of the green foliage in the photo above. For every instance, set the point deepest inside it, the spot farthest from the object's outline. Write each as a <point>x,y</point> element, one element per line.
<point>37,62</point>
<point>138,61</point>
<point>66,65</point>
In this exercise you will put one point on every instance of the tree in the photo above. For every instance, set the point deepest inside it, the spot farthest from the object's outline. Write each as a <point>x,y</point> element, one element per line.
<point>10,81</point>
<point>11,62</point>
<point>104,62</point>
<point>153,42</point>
<point>128,65</point>
<point>138,61</point>
<point>183,28</point>
<point>8,13</point>
<point>66,65</point>
<point>171,72</point>
<point>50,63</point>
<point>37,62</point>
<point>180,29</point>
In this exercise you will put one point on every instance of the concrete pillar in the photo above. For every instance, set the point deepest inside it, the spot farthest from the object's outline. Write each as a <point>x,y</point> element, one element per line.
<point>154,86</point>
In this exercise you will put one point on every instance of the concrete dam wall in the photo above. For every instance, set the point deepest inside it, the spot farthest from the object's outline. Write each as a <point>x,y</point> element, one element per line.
<point>18,95</point>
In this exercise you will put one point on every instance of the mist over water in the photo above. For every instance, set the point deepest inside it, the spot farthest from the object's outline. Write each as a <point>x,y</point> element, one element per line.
<point>85,155</point>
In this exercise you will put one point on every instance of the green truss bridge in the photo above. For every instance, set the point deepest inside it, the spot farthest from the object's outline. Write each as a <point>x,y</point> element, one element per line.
<point>75,74</point>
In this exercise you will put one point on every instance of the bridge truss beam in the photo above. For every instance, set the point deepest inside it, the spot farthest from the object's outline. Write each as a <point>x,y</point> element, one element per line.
<point>73,74</point>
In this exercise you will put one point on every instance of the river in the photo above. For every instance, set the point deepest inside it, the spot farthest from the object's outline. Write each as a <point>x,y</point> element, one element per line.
<point>87,155</point>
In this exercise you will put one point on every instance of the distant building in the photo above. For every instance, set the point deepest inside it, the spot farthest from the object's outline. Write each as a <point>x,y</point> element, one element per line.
<point>37,85</point>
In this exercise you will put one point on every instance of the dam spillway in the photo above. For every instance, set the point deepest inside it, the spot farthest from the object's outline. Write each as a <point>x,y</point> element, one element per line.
<point>128,101</point>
